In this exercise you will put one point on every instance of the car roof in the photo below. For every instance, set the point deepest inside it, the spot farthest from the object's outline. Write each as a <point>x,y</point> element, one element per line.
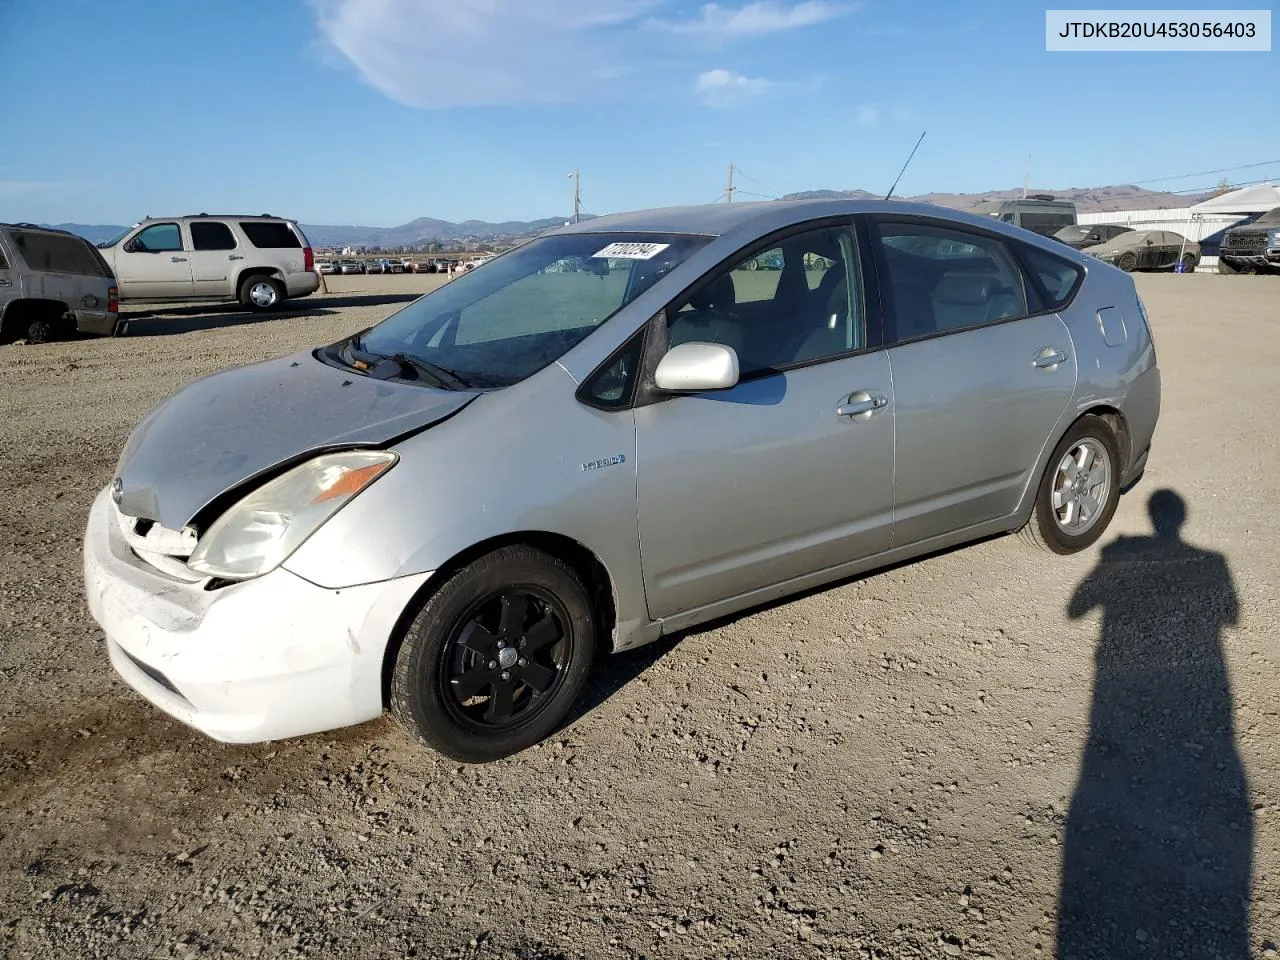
<point>217,216</point>
<point>759,216</point>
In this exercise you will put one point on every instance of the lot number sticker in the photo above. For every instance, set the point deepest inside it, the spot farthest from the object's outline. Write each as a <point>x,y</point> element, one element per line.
<point>632,251</point>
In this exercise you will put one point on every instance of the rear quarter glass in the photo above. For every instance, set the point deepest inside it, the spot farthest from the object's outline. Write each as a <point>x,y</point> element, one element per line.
<point>267,234</point>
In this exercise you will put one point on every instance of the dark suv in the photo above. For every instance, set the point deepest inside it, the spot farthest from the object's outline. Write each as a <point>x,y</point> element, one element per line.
<point>1252,247</point>
<point>52,284</point>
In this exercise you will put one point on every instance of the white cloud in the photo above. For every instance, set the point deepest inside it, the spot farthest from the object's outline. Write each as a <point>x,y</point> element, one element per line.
<point>425,53</point>
<point>724,89</point>
<point>868,116</point>
<point>756,18</point>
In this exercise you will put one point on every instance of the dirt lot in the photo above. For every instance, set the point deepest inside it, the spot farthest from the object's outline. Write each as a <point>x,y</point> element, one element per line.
<point>884,769</point>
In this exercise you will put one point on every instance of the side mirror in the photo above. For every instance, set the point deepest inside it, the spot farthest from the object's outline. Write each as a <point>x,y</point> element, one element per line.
<point>131,246</point>
<point>694,367</point>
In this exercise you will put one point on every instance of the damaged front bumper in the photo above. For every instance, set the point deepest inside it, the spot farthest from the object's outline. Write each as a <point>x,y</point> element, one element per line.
<point>259,660</point>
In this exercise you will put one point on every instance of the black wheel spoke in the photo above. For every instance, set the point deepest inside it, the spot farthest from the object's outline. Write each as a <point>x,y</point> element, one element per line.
<point>501,704</point>
<point>477,638</point>
<point>473,681</point>
<point>543,633</point>
<point>538,676</point>
<point>515,607</point>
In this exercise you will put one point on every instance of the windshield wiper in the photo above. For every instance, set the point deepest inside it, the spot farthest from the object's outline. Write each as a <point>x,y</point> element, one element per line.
<point>369,361</point>
<point>441,375</point>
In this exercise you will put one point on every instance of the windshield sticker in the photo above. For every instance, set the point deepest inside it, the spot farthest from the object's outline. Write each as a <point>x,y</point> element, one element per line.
<point>632,251</point>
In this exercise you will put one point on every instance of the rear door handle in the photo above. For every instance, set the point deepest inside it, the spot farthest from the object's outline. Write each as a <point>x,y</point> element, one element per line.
<point>235,256</point>
<point>177,259</point>
<point>861,404</point>
<point>1046,360</point>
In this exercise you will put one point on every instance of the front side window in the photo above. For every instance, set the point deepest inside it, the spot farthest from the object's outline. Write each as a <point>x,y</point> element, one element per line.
<point>158,238</point>
<point>211,235</point>
<point>798,301</point>
<point>940,279</point>
<point>499,323</point>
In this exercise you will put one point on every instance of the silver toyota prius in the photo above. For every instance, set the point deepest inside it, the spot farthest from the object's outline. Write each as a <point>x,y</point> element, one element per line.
<point>612,432</point>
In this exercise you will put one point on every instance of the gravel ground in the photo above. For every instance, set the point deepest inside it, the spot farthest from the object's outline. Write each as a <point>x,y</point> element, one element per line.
<point>987,753</point>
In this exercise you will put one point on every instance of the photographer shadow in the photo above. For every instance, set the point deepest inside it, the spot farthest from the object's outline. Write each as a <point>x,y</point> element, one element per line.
<point>1159,836</point>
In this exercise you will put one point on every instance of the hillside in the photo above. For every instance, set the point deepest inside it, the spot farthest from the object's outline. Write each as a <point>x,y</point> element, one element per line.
<point>425,230</point>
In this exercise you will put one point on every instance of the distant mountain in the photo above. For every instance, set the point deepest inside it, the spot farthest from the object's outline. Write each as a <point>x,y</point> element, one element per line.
<point>428,229</point>
<point>1086,199</point>
<point>93,232</point>
<point>421,231</point>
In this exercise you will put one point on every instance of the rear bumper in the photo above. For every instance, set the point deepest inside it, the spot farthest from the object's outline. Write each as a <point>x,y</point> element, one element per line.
<point>1141,409</point>
<point>99,322</point>
<point>260,660</point>
<point>302,284</point>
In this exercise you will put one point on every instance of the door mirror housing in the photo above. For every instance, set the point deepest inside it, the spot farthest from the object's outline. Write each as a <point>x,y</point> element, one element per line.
<point>694,367</point>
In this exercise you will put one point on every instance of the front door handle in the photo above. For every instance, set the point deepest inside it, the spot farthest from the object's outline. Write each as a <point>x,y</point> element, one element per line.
<point>861,404</point>
<point>1047,360</point>
<point>6,283</point>
<point>235,256</point>
<point>177,259</point>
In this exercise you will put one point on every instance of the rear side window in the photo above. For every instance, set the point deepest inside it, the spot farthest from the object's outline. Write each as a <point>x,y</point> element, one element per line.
<point>212,235</point>
<point>941,280</point>
<point>1056,278</point>
<point>271,234</point>
<point>58,253</point>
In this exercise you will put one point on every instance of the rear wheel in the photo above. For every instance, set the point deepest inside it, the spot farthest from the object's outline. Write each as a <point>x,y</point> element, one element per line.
<point>261,292</point>
<point>35,322</point>
<point>1079,491</point>
<point>496,657</point>
<point>1128,262</point>
<point>1189,261</point>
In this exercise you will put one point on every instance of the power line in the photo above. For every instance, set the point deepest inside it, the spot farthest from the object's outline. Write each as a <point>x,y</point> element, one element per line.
<point>1206,173</point>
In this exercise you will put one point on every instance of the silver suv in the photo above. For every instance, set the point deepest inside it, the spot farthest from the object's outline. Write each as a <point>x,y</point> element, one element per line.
<point>51,284</point>
<point>260,261</point>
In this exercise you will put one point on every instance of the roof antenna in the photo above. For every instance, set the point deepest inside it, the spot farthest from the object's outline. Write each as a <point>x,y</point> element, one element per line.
<point>904,166</point>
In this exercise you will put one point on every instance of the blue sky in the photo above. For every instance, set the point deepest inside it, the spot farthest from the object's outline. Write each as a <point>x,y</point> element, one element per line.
<point>379,111</point>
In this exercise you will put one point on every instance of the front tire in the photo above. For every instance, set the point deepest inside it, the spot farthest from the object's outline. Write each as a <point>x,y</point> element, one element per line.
<point>496,657</point>
<point>1189,261</point>
<point>261,293</point>
<point>1079,491</point>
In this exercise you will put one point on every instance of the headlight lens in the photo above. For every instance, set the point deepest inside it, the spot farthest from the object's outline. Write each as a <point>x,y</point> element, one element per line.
<point>261,531</point>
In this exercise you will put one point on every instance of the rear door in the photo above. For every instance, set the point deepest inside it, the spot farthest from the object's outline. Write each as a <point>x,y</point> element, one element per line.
<point>155,263</point>
<point>768,481</point>
<point>979,379</point>
<point>214,253</point>
<point>9,279</point>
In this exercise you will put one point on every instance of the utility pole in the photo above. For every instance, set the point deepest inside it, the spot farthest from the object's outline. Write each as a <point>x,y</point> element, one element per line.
<point>1026,178</point>
<point>577,196</point>
<point>728,190</point>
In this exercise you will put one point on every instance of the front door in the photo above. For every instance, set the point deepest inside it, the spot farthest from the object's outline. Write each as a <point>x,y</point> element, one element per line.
<point>154,263</point>
<point>978,384</point>
<point>789,472</point>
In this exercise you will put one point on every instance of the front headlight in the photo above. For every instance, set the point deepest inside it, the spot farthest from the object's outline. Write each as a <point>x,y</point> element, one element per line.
<point>261,531</point>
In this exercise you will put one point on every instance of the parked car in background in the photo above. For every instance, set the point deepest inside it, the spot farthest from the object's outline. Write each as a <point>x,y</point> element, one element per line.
<point>52,284</point>
<point>260,261</point>
<point>1148,250</point>
<point>326,266</point>
<point>391,266</point>
<point>423,266</point>
<point>1040,213</point>
<point>350,266</point>
<point>1084,235</point>
<point>373,266</point>
<point>339,531</point>
<point>1252,247</point>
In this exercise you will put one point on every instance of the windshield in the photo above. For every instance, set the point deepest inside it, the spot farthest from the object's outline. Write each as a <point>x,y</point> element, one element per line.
<point>1073,233</point>
<point>1270,219</point>
<point>500,323</point>
<point>116,239</point>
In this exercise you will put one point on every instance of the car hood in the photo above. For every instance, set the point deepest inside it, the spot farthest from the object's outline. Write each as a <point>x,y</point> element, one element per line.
<point>224,430</point>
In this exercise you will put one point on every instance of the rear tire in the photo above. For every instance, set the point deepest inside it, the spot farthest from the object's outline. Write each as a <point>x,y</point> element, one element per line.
<point>1128,263</point>
<point>260,292</point>
<point>1075,504</point>
<point>496,657</point>
<point>1189,261</point>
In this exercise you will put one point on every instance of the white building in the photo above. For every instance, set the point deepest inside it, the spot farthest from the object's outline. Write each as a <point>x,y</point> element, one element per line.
<point>1197,222</point>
